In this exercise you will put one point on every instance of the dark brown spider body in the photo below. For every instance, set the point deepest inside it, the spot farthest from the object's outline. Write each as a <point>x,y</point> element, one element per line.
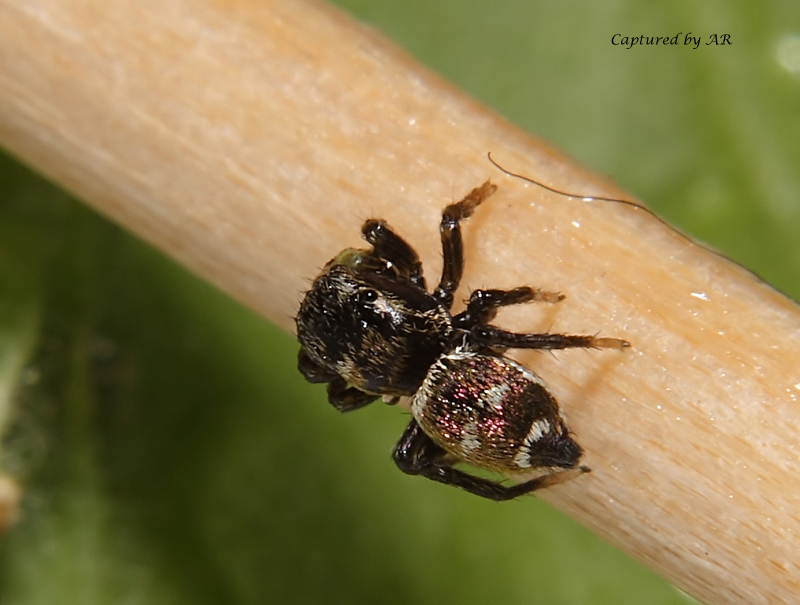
<point>369,328</point>
<point>376,331</point>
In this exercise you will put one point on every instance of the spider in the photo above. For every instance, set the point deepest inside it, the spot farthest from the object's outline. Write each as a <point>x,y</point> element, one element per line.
<point>369,328</point>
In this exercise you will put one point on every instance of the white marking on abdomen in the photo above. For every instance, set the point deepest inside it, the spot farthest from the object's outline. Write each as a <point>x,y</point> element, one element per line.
<point>539,428</point>
<point>470,441</point>
<point>495,396</point>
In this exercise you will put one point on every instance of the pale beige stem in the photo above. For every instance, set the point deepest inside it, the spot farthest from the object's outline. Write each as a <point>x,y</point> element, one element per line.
<point>250,138</point>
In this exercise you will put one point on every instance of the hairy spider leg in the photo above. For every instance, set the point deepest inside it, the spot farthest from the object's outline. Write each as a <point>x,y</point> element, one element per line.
<point>389,246</point>
<point>452,245</point>
<point>483,304</point>
<point>490,336</point>
<point>341,396</point>
<point>312,371</point>
<point>345,398</point>
<point>417,454</point>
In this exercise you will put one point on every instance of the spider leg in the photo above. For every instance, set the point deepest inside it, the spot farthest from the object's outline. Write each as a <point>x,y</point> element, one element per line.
<point>417,454</point>
<point>489,336</point>
<point>483,304</point>
<point>345,398</point>
<point>452,245</point>
<point>341,396</point>
<point>311,370</point>
<point>389,246</point>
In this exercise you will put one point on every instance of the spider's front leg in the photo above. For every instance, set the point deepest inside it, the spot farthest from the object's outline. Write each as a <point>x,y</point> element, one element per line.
<point>389,246</point>
<point>452,245</point>
<point>346,398</point>
<point>341,396</point>
<point>312,371</point>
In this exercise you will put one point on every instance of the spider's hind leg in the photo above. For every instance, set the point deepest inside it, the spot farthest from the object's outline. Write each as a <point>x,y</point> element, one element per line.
<point>417,454</point>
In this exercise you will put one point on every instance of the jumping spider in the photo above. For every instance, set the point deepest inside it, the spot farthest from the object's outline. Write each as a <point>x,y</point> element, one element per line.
<point>369,328</point>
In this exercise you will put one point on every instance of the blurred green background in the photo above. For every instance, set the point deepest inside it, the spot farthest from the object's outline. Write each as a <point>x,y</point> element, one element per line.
<point>171,453</point>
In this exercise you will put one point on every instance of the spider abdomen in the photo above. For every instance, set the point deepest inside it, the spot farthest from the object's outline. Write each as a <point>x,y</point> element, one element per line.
<point>493,413</point>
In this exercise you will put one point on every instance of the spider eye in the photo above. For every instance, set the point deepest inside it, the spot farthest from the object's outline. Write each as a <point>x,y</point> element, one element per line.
<point>368,295</point>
